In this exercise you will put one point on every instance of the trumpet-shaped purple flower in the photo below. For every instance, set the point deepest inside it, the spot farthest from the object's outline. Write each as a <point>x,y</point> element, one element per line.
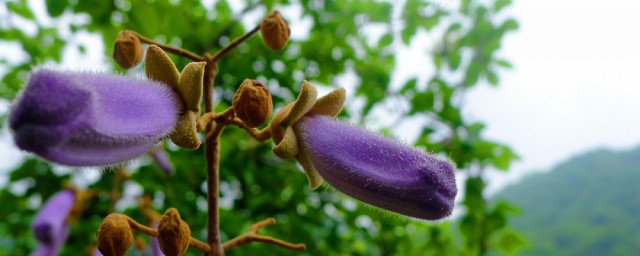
<point>376,170</point>
<point>50,225</point>
<point>85,119</point>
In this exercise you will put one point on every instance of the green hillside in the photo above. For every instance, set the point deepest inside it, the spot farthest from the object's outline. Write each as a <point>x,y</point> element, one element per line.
<point>588,205</point>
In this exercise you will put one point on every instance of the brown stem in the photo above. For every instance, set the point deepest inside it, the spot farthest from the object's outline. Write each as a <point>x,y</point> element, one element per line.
<point>199,245</point>
<point>168,48</point>
<point>210,116</point>
<point>234,44</point>
<point>212,155</point>
<point>259,135</point>
<point>252,236</point>
<point>141,228</point>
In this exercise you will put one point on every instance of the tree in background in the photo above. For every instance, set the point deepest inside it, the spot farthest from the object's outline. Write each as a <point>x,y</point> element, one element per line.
<point>256,185</point>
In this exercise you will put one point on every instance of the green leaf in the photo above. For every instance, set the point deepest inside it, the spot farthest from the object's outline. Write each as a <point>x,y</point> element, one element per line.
<point>409,86</point>
<point>385,40</point>
<point>512,242</point>
<point>509,24</point>
<point>56,7</point>
<point>504,63</point>
<point>454,60</point>
<point>21,9</point>
<point>500,4</point>
<point>492,78</point>
<point>421,102</point>
<point>269,4</point>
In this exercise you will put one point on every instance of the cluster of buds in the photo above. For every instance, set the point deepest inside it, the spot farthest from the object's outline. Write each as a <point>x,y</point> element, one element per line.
<point>115,235</point>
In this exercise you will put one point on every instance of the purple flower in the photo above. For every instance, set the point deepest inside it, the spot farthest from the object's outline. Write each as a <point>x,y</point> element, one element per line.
<point>52,249</point>
<point>161,158</point>
<point>378,171</point>
<point>361,164</point>
<point>50,225</point>
<point>85,119</point>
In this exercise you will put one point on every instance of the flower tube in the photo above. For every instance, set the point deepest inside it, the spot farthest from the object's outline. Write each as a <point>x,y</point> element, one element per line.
<point>366,166</point>
<point>377,170</point>
<point>91,119</point>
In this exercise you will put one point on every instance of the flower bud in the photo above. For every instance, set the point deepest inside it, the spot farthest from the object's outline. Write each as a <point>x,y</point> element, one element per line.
<point>114,235</point>
<point>127,50</point>
<point>173,233</point>
<point>252,103</point>
<point>275,31</point>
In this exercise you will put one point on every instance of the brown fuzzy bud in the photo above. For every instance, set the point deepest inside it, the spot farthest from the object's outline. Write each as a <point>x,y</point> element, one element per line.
<point>173,233</point>
<point>252,103</point>
<point>275,31</point>
<point>114,235</point>
<point>127,50</point>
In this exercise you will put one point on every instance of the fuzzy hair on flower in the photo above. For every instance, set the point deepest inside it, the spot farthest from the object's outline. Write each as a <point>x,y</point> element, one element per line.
<point>91,119</point>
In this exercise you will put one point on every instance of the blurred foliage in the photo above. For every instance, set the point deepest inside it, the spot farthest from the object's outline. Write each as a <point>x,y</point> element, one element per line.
<point>597,217</point>
<point>255,184</point>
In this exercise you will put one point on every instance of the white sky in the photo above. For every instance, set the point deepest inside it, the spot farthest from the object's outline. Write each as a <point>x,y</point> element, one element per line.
<point>575,85</point>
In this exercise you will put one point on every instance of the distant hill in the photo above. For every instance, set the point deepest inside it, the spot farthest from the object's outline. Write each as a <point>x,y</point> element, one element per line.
<point>588,205</point>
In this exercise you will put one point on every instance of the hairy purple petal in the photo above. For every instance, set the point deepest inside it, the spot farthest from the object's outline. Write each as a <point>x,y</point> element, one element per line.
<point>379,171</point>
<point>84,119</point>
<point>50,222</point>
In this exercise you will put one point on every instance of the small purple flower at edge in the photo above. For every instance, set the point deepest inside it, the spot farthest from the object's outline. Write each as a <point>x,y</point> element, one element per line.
<point>90,119</point>
<point>361,164</point>
<point>50,224</point>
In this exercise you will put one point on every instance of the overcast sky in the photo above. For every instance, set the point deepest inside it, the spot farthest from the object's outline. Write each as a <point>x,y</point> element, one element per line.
<point>576,82</point>
<point>575,85</point>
